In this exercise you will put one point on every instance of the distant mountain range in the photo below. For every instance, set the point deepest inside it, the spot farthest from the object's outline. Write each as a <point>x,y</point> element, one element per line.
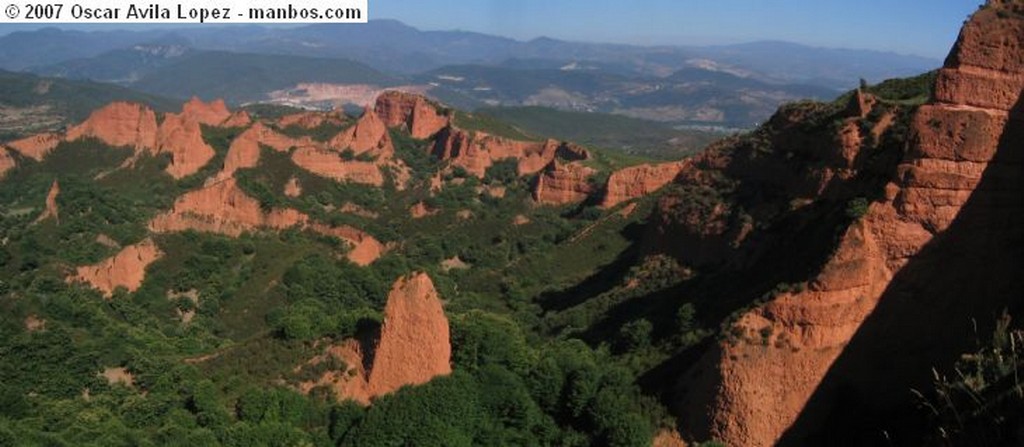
<point>180,71</point>
<point>392,46</point>
<point>730,85</point>
<point>29,103</point>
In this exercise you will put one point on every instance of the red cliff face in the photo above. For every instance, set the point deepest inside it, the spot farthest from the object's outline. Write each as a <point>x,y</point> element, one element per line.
<point>637,181</point>
<point>125,269</point>
<point>135,126</point>
<point>211,114</point>
<point>329,163</point>
<point>311,120</point>
<point>244,151</point>
<point>477,151</point>
<point>415,112</point>
<point>222,207</point>
<point>119,124</point>
<point>414,342</point>
<point>6,162</point>
<point>37,146</point>
<point>897,295</point>
<point>563,183</point>
<point>182,138</point>
<point>51,210</point>
<point>414,345</point>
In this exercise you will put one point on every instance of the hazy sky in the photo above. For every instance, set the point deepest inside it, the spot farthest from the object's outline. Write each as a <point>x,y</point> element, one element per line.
<point>922,27</point>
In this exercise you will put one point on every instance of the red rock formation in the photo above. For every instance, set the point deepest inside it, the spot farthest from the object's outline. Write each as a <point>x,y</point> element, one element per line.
<point>329,163</point>
<point>182,138</point>
<point>475,152</point>
<point>244,151</point>
<point>293,188</point>
<point>311,120</point>
<point>637,181</point>
<point>413,348</point>
<point>369,134</point>
<point>51,210</point>
<point>223,208</point>
<point>668,438</point>
<point>125,269</point>
<point>563,183</point>
<point>119,124</point>
<point>414,342</point>
<point>364,250</point>
<point>211,114</point>
<point>771,380</point>
<point>134,125</point>
<point>6,162</point>
<point>415,112</point>
<point>240,118</point>
<point>420,210</point>
<point>37,146</point>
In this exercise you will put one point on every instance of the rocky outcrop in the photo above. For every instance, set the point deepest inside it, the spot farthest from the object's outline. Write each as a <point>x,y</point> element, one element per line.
<point>414,345</point>
<point>213,113</point>
<point>239,118</point>
<point>181,137</point>
<point>244,151</point>
<point>563,183</point>
<point>37,146</point>
<point>369,134</point>
<point>415,112</point>
<point>51,211</point>
<point>6,162</point>
<point>124,124</point>
<point>125,269</point>
<point>364,250</point>
<point>898,294</point>
<point>223,208</point>
<point>637,181</point>
<point>477,151</point>
<point>292,188</point>
<point>421,210</point>
<point>311,120</point>
<point>330,164</point>
<point>120,124</point>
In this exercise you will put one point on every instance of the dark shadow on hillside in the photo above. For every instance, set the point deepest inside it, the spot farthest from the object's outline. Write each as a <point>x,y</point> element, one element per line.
<point>966,275</point>
<point>601,281</point>
<point>368,335</point>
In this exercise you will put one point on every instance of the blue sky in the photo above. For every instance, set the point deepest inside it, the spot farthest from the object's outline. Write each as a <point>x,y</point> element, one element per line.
<point>923,27</point>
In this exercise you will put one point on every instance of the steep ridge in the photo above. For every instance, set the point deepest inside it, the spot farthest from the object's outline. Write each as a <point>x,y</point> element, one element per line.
<point>414,346</point>
<point>638,181</point>
<point>125,269</point>
<point>51,211</point>
<point>6,161</point>
<point>222,207</point>
<point>898,293</point>
<point>563,183</point>
<point>477,151</point>
<point>311,120</point>
<point>181,137</point>
<point>36,146</point>
<point>133,125</point>
<point>415,112</point>
<point>119,124</point>
<point>213,113</point>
